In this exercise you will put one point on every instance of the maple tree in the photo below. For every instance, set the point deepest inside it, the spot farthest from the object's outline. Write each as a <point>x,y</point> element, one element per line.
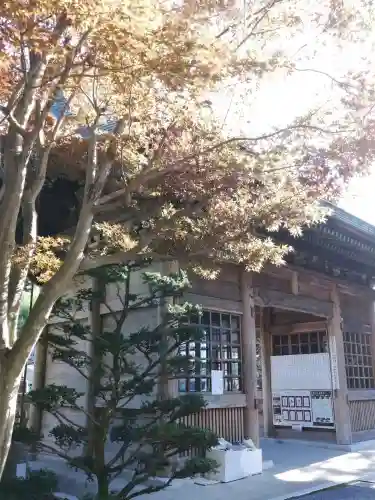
<point>118,98</point>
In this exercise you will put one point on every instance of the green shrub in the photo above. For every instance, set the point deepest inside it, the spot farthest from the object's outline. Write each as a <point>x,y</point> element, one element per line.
<point>39,485</point>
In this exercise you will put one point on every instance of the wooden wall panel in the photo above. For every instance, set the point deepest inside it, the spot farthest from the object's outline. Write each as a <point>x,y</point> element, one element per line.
<point>362,415</point>
<point>292,317</point>
<point>218,288</point>
<point>214,303</point>
<point>278,283</point>
<point>356,313</point>
<point>230,273</point>
<point>315,290</point>
<point>288,301</point>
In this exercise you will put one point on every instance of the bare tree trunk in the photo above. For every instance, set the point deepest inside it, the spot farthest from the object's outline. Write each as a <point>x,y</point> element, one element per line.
<point>39,381</point>
<point>14,359</point>
<point>8,407</point>
<point>99,443</point>
<point>103,487</point>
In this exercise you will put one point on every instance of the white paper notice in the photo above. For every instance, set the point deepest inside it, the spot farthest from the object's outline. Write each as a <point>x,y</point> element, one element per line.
<point>21,471</point>
<point>217,381</point>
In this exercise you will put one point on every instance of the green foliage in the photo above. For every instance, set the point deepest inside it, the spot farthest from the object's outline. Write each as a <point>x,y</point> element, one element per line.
<point>172,285</point>
<point>23,434</point>
<point>29,295</point>
<point>39,485</point>
<point>66,436</point>
<point>124,369</point>
<point>53,397</point>
<point>196,465</point>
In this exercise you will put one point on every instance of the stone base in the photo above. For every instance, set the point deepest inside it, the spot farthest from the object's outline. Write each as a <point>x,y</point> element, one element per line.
<point>236,464</point>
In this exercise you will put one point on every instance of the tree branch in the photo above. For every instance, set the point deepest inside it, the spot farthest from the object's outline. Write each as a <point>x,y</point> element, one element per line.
<point>70,460</point>
<point>19,273</point>
<point>81,372</point>
<point>262,13</point>
<point>55,451</point>
<point>16,157</point>
<point>258,138</point>
<point>56,287</point>
<point>63,419</point>
<point>52,291</point>
<point>323,73</point>
<point>13,121</point>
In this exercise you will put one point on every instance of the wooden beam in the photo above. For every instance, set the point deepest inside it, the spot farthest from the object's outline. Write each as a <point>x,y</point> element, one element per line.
<point>266,352</point>
<point>309,326</point>
<point>282,272</point>
<point>290,302</point>
<point>344,286</point>
<point>295,285</point>
<point>336,345</point>
<point>251,416</point>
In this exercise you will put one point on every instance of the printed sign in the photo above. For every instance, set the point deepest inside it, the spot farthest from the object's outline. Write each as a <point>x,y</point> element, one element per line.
<point>322,408</point>
<point>334,367</point>
<point>217,381</point>
<point>305,408</point>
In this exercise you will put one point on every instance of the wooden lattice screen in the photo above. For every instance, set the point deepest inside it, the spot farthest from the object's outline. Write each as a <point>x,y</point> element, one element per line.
<point>227,423</point>
<point>362,415</point>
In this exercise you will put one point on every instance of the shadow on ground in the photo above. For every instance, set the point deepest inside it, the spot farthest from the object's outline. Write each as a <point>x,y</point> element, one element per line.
<point>298,470</point>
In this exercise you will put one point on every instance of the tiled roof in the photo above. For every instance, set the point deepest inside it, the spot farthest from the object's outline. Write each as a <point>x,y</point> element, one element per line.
<point>351,220</point>
<point>58,107</point>
<point>108,124</point>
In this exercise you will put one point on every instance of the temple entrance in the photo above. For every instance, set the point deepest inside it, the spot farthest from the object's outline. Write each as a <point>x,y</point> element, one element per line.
<point>298,390</point>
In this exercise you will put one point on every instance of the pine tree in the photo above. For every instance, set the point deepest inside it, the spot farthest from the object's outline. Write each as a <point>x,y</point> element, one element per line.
<point>124,370</point>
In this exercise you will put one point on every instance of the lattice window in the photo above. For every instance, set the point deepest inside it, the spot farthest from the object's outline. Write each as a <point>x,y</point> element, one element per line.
<point>219,350</point>
<point>358,360</point>
<point>300,343</point>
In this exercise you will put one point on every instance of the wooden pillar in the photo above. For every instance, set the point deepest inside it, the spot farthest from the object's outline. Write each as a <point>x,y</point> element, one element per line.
<point>372,323</point>
<point>95,319</point>
<point>40,367</point>
<point>167,387</point>
<point>295,283</point>
<point>339,384</point>
<point>251,416</point>
<point>266,342</point>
